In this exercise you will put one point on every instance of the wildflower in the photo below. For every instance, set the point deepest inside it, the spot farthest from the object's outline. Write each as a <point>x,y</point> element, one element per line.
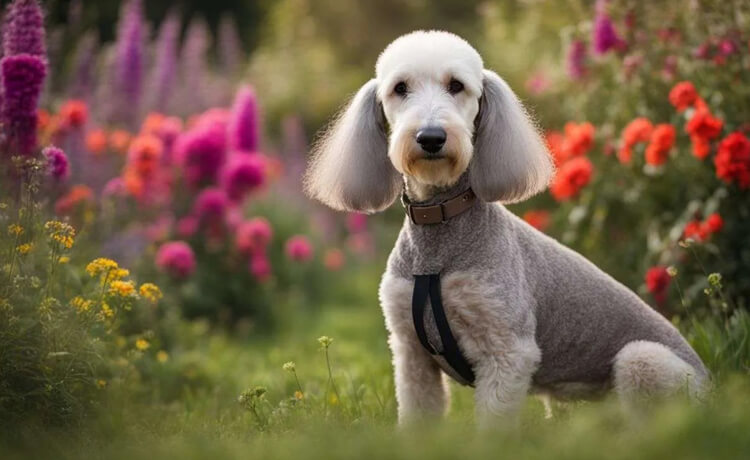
<point>672,271</point>
<point>289,366</point>
<point>129,59</point>
<point>101,383</point>
<point>74,113</point>
<point>537,218</point>
<point>201,153</point>
<point>78,194</point>
<point>15,230</point>
<point>142,345</point>
<point>24,29</point>
<point>230,47</point>
<point>176,258</point>
<point>63,260</point>
<point>80,304</point>
<point>101,266</point>
<point>683,95</point>
<point>298,395</point>
<point>260,266</point>
<point>571,178</point>
<point>96,141</point>
<point>187,226</point>
<point>152,123</point>
<point>170,129</point>
<point>162,356</point>
<point>122,288</point>
<point>701,148</point>
<point>333,259</point>
<point>578,139</point>
<point>57,162</point>
<point>732,160</point>
<point>657,282</point>
<point>662,141</point>
<point>243,123</point>
<point>576,60</point>
<point>695,231</point>
<point>714,223</point>
<point>165,61</point>
<point>714,279</point>
<point>637,131</point>
<point>106,312</point>
<point>22,80</point>
<point>298,248</point>
<point>150,292</point>
<point>325,341</point>
<point>605,36</point>
<point>356,222</point>
<point>25,248</point>
<point>704,125</point>
<point>119,140</point>
<point>242,174</point>
<point>210,205</point>
<point>253,235</point>
<point>250,396</point>
<point>60,233</point>
<point>144,155</point>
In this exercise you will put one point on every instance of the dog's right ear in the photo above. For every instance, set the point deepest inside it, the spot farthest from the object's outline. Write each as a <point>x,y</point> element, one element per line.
<point>350,169</point>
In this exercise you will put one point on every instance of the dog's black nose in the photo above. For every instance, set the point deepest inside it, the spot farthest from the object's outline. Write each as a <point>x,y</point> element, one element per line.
<point>431,139</point>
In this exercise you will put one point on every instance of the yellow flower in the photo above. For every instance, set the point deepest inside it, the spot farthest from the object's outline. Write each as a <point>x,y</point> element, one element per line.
<point>298,395</point>
<point>15,230</point>
<point>80,304</point>
<point>150,292</point>
<point>142,344</point>
<point>119,274</point>
<point>25,248</point>
<point>122,288</point>
<point>106,312</point>
<point>162,356</point>
<point>101,383</point>
<point>101,266</point>
<point>289,367</point>
<point>61,233</point>
<point>64,259</point>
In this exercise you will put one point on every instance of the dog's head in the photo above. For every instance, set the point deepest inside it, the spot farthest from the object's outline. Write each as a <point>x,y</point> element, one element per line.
<point>431,113</point>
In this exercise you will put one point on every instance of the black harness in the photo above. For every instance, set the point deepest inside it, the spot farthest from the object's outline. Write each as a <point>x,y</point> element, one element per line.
<point>428,286</point>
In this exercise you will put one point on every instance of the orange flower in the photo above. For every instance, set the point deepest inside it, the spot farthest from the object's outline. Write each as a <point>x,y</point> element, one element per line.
<point>638,130</point>
<point>333,259</point>
<point>74,113</point>
<point>133,182</point>
<point>701,147</point>
<point>683,95</point>
<point>42,119</point>
<point>96,141</point>
<point>704,125</point>
<point>537,218</point>
<point>77,194</point>
<point>578,139</point>
<point>662,141</point>
<point>152,123</point>
<point>554,140</point>
<point>144,154</point>
<point>119,140</point>
<point>571,178</point>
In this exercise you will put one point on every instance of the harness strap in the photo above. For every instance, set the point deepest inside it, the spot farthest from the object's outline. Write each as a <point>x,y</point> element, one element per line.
<point>429,286</point>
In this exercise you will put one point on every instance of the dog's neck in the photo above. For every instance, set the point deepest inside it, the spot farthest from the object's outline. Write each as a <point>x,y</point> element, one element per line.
<point>426,194</point>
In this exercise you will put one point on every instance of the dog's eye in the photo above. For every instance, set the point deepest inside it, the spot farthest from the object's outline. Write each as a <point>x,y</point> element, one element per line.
<point>400,88</point>
<point>455,86</point>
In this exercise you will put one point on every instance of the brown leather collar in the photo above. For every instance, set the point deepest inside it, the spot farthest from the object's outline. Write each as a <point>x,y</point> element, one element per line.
<point>439,213</point>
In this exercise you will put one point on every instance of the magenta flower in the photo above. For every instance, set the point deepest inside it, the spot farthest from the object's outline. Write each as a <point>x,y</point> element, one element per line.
<point>187,226</point>
<point>201,152</point>
<point>298,248</point>
<point>605,36</point>
<point>169,131</point>
<point>129,59</point>
<point>24,29</point>
<point>242,174</point>
<point>577,60</point>
<point>253,235</point>
<point>356,222</point>
<point>165,62</point>
<point>176,258</point>
<point>57,163</point>
<point>243,125</point>
<point>260,266</point>
<point>22,80</point>
<point>114,187</point>
<point>210,206</point>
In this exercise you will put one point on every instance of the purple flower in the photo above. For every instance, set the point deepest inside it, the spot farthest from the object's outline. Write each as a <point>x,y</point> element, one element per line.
<point>129,59</point>
<point>176,258</point>
<point>22,80</point>
<point>210,206</point>
<point>84,62</point>
<point>165,58</point>
<point>57,162</point>
<point>243,124</point>
<point>24,29</point>
<point>577,60</point>
<point>242,174</point>
<point>605,36</point>
<point>193,67</point>
<point>230,47</point>
<point>201,153</point>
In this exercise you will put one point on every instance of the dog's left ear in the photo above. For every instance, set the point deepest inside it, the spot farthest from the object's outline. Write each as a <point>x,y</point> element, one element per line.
<point>350,169</point>
<point>511,161</point>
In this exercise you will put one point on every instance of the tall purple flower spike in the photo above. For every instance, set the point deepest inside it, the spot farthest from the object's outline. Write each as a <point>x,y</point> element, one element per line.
<point>24,29</point>
<point>84,63</point>
<point>165,59</point>
<point>193,67</point>
<point>605,36</point>
<point>129,59</point>
<point>22,80</point>
<point>57,163</point>
<point>230,46</point>
<point>576,64</point>
<point>243,124</point>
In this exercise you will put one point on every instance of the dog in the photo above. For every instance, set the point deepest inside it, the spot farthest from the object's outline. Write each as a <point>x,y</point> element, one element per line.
<point>527,314</point>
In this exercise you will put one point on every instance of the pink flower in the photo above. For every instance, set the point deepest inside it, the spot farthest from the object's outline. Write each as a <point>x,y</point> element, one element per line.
<point>242,174</point>
<point>243,124</point>
<point>210,206</point>
<point>57,163</point>
<point>176,258</point>
<point>187,226</point>
<point>333,259</point>
<point>356,222</point>
<point>114,187</point>
<point>260,266</point>
<point>201,152</point>
<point>253,235</point>
<point>298,248</point>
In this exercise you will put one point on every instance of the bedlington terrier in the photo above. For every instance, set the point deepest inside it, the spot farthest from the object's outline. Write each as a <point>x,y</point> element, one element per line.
<point>527,314</point>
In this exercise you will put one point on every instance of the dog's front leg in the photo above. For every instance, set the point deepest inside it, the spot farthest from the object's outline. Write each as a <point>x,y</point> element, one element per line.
<point>503,381</point>
<point>420,389</point>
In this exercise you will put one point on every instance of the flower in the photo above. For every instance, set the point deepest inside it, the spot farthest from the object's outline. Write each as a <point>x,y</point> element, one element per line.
<point>578,139</point>
<point>683,95</point>
<point>165,62</point>
<point>162,356</point>
<point>662,141</point>
<point>57,163</point>
<point>253,235</point>
<point>122,288</point>
<point>298,395</point>
<point>119,140</point>
<point>230,47</point>
<point>605,36</point>
<point>576,60</point>
<point>25,248</point>
<point>242,174</point>
<point>187,226</point>
<point>142,345</point>
<point>672,271</point>
<point>60,233</point>
<point>101,267</point>
<point>63,260</point>
<point>78,194</point>
<point>210,205</point>
<point>537,218</point>
<point>298,248</point>
<point>96,141</point>
<point>150,292</point>
<point>732,160</point>
<point>701,148</point>
<point>201,152</point>
<point>243,122</point>
<point>176,258</point>
<point>637,131</point>
<point>704,125</point>
<point>74,113</point>
<point>571,178</point>
<point>22,79</point>
<point>325,341</point>
<point>24,29</point>
<point>333,259</point>
<point>657,282</point>
<point>129,60</point>
<point>695,231</point>
<point>106,312</point>
<point>289,366</point>
<point>356,222</point>
<point>714,223</point>
<point>144,155</point>
<point>80,304</point>
<point>15,230</point>
<point>260,266</point>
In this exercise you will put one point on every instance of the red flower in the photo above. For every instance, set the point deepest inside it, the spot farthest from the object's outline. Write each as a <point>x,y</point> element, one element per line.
<point>68,202</point>
<point>638,130</point>
<point>537,218</point>
<point>714,223</point>
<point>657,282</point>
<point>695,230</point>
<point>571,178</point>
<point>144,155</point>
<point>555,141</point>
<point>683,95</point>
<point>578,139</point>
<point>701,147</point>
<point>733,160</point>
<point>74,113</point>
<point>704,125</point>
<point>662,141</point>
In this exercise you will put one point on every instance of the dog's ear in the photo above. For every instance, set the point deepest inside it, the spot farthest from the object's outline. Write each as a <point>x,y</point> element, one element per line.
<point>350,169</point>
<point>511,161</point>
